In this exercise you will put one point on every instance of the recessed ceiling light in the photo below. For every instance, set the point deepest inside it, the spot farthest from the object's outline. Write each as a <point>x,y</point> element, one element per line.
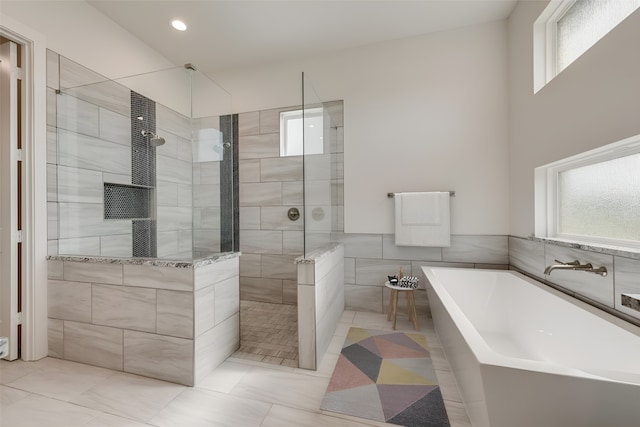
<point>179,25</point>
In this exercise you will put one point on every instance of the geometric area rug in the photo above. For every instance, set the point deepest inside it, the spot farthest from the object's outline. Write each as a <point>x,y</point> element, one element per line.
<point>386,376</point>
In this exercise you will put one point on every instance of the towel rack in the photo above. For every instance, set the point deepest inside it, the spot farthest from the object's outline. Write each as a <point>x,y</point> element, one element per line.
<point>392,195</point>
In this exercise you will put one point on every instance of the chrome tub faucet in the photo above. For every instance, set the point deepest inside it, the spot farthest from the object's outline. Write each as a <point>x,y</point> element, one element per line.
<point>575,265</point>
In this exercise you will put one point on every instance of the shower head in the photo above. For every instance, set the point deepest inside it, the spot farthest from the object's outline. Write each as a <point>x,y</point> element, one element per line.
<point>155,140</point>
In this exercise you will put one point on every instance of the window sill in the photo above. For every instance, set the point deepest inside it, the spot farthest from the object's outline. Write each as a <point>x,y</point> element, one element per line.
<point>591,247</point>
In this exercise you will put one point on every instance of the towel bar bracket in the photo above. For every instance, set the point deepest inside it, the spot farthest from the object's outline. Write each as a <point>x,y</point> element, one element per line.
<point>392,195</point>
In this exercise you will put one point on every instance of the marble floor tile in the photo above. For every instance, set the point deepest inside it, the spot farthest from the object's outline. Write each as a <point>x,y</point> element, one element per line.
<point>285,388</point>
<point>326,365</point>
<point>9,396</point>
<point>197,407</point>
<point>11,371</point>
<point>371,320</point>
<point>240,392</point>
<point>342,329</point>
<point>61,379</point>
<point>130,396</point>
<point>107,420</point>
<point>38,411</point>
<point>347,316</point>
<point>282,416</point>
<point>225,377</point>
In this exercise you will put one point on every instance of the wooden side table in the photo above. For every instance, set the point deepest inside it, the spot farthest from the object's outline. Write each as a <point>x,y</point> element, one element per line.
<point>393,304</point>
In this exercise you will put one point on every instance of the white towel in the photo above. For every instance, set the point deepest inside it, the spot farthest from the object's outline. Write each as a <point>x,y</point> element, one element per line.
<point>422,219</point>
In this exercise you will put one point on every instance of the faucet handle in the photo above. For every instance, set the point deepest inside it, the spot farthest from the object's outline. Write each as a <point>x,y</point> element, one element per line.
<point>576,262</point>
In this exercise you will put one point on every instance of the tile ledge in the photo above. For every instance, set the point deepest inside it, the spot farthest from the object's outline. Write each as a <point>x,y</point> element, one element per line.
<point>591,247</point>
<point>316,255</point>
<point>157,262</point>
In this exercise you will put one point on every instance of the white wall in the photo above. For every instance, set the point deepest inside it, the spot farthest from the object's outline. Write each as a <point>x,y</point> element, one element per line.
<point>423,113</point>
<point>81,33</point>
<point>593,102</point>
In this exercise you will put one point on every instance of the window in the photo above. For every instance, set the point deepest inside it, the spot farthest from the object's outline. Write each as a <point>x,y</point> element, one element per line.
<point>592,197</point>
<point>291,133</point>
<point>568,28</point>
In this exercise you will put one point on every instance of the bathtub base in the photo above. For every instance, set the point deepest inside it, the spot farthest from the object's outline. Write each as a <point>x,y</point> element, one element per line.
<point>516,389</point>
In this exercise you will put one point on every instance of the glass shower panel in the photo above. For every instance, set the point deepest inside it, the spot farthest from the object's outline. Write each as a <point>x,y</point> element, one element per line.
<point>93,144</point>
<point>136,165</point>
<point>215,209</point>
<point>318,209</point>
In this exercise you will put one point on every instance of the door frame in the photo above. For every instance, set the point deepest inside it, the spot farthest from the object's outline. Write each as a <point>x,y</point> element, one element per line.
<point>34,163</point>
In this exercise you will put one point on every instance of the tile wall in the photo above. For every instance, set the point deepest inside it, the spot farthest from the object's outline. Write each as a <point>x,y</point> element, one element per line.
<point>532,257</point>
<point>320,301</point>
<point>174,324</point>
<point>268,186</point>
<point>370,258</point>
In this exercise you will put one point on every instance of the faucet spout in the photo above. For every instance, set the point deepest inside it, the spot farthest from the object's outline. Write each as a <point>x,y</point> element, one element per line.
<point>576,265</point>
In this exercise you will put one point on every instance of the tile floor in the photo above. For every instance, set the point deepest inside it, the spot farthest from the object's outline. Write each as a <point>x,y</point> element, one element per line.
<point>268,333</point>
<point>239,393</point>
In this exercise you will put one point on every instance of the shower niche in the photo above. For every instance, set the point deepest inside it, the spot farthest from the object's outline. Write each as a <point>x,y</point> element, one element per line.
<point>127,202</point>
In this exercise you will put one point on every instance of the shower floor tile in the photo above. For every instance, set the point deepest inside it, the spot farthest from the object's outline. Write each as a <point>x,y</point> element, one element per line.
<point>268,333</point>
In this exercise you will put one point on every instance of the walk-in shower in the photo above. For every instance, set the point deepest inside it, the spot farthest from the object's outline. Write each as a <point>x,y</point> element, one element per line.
<point>140,166</point>
<point>297,167</point>
<point>142,208</point>
<point>157,185</point>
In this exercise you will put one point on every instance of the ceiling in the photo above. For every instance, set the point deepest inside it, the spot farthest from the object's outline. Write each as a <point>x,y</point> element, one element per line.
<point>240,33</point>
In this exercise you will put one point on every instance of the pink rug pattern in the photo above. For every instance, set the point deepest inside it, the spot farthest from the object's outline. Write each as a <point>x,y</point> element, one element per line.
<point>386,376</point>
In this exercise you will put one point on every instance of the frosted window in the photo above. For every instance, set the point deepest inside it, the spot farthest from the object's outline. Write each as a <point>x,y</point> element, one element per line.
<point>586,22</point>
<point>292,138</point>
<point>601,200</point>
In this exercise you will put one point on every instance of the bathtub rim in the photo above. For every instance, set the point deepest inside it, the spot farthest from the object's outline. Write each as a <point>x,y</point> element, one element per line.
<point>485,355</point>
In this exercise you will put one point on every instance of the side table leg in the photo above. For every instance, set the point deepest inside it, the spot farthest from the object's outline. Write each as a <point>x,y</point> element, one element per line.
<point>414,313</point>
<point>395,307</point>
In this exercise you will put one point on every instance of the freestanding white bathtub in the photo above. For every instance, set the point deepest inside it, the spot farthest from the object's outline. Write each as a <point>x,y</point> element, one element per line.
<point>526,355</point>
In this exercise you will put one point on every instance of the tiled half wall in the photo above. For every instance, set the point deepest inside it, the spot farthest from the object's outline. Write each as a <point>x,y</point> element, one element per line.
<point>370,258</point>
<point>171,323</point>
<point>532,257</point>
<point>320,302</point>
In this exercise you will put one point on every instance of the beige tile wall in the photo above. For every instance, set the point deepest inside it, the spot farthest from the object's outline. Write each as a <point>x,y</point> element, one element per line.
<point>145,319</point>
<point>320,303</point>
<point>605,292</point>
<point>370,258</point>
<point>269,186</point>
